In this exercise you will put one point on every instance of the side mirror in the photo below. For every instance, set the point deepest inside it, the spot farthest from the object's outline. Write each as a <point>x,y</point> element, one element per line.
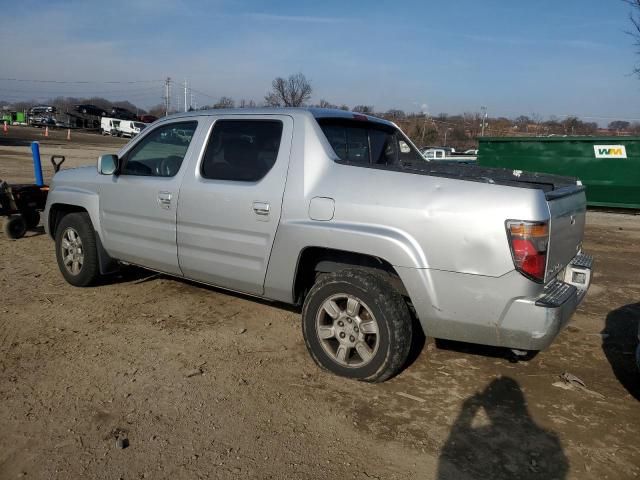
<point>108,164</point>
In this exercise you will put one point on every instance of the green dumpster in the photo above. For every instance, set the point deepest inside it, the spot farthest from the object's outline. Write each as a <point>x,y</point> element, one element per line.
<point>608,166</point>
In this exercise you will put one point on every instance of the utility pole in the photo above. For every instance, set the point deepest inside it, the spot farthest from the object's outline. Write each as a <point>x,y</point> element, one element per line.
<point>192,104</point>
<point>446,130</point>
<point>167,96</point>
<point>185,95</point>
<point>483,109</point>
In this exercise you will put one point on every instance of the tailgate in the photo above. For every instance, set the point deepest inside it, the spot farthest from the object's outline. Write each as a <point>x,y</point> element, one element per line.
<point>566,230</point>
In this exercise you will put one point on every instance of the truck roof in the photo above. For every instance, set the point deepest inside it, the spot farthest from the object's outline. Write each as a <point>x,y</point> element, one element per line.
<point>292,111</point>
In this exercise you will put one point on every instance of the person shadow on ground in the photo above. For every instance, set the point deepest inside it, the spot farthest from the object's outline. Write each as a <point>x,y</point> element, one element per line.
<point>619,341</point>
<point>495,438</point>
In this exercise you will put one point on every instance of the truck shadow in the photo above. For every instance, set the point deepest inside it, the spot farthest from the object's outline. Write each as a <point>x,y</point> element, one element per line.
<point>495,437</point>
<point>483,350</point>
<point>619,341</point>
<point>137,275</point>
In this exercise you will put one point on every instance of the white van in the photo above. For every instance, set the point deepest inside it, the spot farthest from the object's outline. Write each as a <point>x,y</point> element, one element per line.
<point>130,128</point>
<point>110,126</point>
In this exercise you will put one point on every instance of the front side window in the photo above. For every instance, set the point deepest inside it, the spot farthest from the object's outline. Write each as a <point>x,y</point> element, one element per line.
<point>366,142</point>
<point>241,150</point>
<point>161,152</point>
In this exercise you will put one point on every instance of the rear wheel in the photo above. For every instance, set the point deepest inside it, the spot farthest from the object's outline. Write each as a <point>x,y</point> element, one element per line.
<point>76,250</point>
<point>356,325</point>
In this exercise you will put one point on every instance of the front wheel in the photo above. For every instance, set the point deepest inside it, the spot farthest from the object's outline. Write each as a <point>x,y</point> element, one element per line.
<point>356,325</point>
<point>76,250</point>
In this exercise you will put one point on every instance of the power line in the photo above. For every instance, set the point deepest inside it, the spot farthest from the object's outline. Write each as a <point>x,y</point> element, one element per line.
<point>78,81</point>
<point>203,94</point>
<point>78,93</point>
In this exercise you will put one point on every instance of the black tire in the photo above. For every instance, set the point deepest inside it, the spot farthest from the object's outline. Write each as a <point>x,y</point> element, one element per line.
<point>32,218</point>
<point>388,310</point>
<point>15,227</point>
<point>89,270</point>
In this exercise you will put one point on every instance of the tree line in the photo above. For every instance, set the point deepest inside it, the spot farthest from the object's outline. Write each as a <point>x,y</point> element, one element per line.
<point>460,131</point>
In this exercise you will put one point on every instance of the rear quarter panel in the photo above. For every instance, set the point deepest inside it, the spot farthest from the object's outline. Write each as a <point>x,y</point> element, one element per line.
<point>410,220</point>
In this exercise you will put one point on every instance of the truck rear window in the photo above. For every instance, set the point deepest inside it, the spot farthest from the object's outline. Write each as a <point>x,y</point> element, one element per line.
<point>357,141</point>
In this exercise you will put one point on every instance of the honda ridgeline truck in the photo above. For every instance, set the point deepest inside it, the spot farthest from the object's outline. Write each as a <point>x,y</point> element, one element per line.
<point>340,214</point>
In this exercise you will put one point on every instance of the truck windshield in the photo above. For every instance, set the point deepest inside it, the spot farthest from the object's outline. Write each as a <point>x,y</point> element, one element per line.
<point>367,142</point>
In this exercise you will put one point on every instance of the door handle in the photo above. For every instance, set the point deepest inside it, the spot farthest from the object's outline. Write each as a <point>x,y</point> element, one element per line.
<point>164,200</point>
<point>261,208</point>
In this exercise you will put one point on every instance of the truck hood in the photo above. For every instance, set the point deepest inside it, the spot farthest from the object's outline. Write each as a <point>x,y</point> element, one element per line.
<point>75,176</point>
<point>80,178</point>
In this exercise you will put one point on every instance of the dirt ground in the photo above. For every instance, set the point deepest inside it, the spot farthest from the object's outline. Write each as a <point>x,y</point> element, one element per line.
<point>207,384</point>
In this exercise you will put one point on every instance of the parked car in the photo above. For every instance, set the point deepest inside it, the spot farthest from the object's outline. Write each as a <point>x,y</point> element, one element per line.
<point>275,203</point>
<point>440,155</point>
<point>89,109</point>
<point>447,150</point>
<point>129,128</point>
<point>41,109</point>
<point>434,153</point>
<point>110,126</point>
<point>122,114</point>
<point>43,122</point>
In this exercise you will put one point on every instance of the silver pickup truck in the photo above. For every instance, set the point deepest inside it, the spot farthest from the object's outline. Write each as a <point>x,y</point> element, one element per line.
<point>340,214</point>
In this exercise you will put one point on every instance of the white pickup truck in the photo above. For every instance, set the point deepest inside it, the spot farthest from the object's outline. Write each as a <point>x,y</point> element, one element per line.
<point>340,214</point>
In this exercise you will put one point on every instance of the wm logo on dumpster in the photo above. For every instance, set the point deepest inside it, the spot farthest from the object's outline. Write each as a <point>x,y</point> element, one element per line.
<point>610,151</point>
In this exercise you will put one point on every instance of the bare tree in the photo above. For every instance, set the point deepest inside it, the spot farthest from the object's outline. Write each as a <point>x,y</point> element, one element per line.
<point>225,102</point>
<point>395,114</point>
<point>368,109</point>
<point>325,104</point>
<point>522,122</point>
<point>291,92</point>
<point>619,125</point>
<point>634,16</point>
<point>247,104</point>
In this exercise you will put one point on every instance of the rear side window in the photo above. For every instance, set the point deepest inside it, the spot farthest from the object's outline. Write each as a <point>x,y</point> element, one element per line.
<point>241,150</point>
<point>363,142</point>
<point>350,144</point>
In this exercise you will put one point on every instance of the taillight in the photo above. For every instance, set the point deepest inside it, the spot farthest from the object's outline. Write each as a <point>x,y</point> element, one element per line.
<point>528,242</point>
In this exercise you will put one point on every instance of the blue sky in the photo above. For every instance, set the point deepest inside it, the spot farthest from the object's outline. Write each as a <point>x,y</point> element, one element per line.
<point>546,57</point>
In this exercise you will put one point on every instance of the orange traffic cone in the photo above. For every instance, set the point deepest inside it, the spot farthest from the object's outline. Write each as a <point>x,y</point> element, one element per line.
<point>46,131</point>
<point>68,134</point>
<point>5,129</point>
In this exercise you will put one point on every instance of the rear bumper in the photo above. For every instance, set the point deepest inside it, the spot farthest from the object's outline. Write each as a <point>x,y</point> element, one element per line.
<point>508,311</point>
<point>533,323</point>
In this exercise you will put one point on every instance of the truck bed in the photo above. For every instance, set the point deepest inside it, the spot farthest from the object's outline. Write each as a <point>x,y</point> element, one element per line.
<point>553,185</point>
